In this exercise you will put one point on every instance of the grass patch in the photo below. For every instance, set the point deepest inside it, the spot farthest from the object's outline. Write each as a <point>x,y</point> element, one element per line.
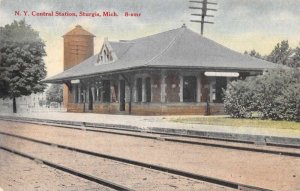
<point>238,122</point>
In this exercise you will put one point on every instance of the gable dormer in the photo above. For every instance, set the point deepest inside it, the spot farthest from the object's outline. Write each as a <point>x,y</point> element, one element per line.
<point>106,54</point>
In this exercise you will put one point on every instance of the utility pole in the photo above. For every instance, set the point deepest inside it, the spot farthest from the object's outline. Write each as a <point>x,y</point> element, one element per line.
<point>204,8</point>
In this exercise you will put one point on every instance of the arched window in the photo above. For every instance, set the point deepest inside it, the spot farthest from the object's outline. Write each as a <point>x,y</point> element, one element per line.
<point>107,56</point>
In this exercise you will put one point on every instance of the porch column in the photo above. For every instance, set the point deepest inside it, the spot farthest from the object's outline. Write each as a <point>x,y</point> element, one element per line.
<point>143,89</point>
<point>212,89</point>
<point>93,93</point>
<point>181,88</point>
<point>79,94</point>
<point>74,93</point>
<point>198,89</point>
<point>134,98</point>
<point>119,89</point>
<point>87,98</point>
<point>163,88</point>
<point>111,90</point>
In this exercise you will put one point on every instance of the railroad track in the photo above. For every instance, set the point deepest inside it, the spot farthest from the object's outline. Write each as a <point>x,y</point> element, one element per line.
<point>267,148</point>
<point>46,148</point>
<point>68,170</point>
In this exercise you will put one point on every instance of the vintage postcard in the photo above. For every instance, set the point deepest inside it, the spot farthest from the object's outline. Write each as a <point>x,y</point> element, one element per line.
<point>149,95</point>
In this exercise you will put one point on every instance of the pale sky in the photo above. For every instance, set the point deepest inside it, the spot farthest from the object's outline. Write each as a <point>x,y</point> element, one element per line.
<point>239,24</point>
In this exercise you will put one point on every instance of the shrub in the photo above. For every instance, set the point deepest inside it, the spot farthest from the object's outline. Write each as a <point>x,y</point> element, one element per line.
<point>238,98</point>
<point>273,95</point>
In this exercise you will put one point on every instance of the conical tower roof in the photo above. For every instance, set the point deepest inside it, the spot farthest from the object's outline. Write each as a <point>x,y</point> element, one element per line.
<point>78,31</point>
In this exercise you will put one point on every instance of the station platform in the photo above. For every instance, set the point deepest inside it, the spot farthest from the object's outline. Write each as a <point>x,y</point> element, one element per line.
<point>165,124</point>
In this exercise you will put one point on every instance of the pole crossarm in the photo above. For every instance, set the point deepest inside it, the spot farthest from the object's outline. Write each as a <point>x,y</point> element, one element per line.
<point>202,15</point>
<point>208,9</point>
<point>204,8</point>
<point>209,3</point>
<point>197,21</point>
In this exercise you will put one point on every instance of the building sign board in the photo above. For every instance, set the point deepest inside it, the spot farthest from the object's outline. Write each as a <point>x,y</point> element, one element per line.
<point>222,74</point>
<point>75,81</point>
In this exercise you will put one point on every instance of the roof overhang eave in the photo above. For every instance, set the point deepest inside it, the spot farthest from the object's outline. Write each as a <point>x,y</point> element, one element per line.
<point>64,80</point>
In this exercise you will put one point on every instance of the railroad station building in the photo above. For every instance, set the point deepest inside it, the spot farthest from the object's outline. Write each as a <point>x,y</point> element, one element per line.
<point>173,72</point>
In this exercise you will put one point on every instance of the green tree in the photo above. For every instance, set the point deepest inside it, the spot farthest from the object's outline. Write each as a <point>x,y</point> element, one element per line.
<point>281,54</point>
<point>273,95</point>
<point>54,93</point>
<point>296,57</point>
<point>253,53</point>
<point>21,61</point>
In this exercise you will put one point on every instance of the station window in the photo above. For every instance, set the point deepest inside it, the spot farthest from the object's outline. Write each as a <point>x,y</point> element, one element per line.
<point>148,89</point>
<point>75,88</point>
<point>115,93</point>
<point>107,56</point>
<point>106,91</point>
<point>98,87</point>
<point>189,89</point>
<point>139,90</point>
<point>82,95</point>
<point>221,84</point>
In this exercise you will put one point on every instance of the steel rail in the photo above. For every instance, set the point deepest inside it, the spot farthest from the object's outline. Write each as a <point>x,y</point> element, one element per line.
<point>69,170</point>
<point>241,148</point>
<point>208,179</point>
<point>134,129</point>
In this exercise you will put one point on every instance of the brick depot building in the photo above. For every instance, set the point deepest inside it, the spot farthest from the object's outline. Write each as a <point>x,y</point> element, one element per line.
<point>173,72</point>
